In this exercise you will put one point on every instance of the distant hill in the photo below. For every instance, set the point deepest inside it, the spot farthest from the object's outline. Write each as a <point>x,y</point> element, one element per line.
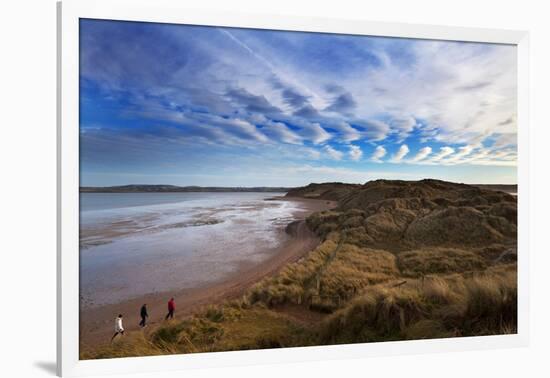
<point>337,191</point>
<point>502,188</point>
<point>333,191</point>
<point>328,191</point>
<point>176,189</point>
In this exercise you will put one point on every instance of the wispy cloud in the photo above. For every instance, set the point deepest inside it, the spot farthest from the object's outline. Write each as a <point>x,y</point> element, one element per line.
<point>281,132</point>
<point>355,153</point>
<point>347,132</point>
<point>378,154</point>
<point>403,126</point>
<point>315,133</point>
<point>422,154</point>
<point>343,103</point>
<point>443,152</point>
<point>400,154</point>
<point>334,154</point>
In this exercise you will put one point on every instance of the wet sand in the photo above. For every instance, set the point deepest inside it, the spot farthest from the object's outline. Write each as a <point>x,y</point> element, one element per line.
<point>96,324</point>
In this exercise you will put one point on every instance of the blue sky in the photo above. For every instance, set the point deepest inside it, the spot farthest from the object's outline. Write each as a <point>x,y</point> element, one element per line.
<point>188,105</point>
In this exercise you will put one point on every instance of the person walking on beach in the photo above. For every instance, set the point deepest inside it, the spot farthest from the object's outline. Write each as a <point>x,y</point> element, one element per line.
<point>144,315</point>
<point>171,309</point>
<point>118,327</point>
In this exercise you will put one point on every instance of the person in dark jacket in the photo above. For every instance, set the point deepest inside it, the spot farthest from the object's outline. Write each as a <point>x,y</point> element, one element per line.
<point>144,315</point>
<point>171,309</point>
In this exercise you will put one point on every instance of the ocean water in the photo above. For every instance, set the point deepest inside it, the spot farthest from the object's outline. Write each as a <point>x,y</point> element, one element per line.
<point>133,244</point>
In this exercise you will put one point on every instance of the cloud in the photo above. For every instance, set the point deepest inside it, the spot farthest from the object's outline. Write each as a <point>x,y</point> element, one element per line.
<point>307,111</point>
<point>334,88</point>
<point>422,154</point>
<point>201,127</point>
<point>483,156</point>
<point>427,134</point>
<point>280,132</point>
<point>474,86</point>
<point>461,90</point>
<point>508,121</point>
<point>343,103</point>
<point>243,129</point>
<point>400,154</point>
<point>355,152</point>
<point>277,75</point>
<point>467,155</point>
<point>505,140</point>
<point>463,151</point>
<point>373,130</point>
<point>443,152</point>
<point>293,98</point>
<point>314,133</point>
<point>251,102</point>
<point>403,127</point>
<point>313,153</point>
<point>258,119</point>
<point>334,154</point>
<point>378,154</point>
<point>347,133</point>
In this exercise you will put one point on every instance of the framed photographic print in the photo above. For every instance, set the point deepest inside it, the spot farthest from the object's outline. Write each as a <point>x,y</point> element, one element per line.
<point>239,189</point>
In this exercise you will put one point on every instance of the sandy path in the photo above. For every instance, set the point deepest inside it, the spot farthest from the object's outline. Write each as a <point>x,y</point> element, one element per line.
<point>96,324</point>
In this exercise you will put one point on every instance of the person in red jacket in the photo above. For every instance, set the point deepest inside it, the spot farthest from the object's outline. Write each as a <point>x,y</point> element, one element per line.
<point>171,309</point>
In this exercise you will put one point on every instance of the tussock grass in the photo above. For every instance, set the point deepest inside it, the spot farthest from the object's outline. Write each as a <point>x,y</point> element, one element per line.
<point>292,283</point>
<point>438,291</point>
<point>439,307</point>
<point>353,268</point>
<point>439,260</point>
<point>334,277</point>
<point>492,301</point>
<point>129,345</point>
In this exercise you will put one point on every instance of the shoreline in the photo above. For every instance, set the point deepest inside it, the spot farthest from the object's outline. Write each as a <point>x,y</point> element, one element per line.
<point>96,326</point>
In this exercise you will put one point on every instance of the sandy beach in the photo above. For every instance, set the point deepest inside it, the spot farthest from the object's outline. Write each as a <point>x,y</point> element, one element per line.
<point>96,323</point>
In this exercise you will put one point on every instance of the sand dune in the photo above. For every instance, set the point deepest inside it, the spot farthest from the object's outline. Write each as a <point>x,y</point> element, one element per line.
<point>397,260</point>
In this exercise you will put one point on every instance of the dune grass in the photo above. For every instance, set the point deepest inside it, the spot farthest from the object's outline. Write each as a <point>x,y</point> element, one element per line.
<point>352,269</point>
<point>431,260</point>
<point>431,308</point>
<point>435,306</point>
<point>219,328</point>
<point>293,283</point>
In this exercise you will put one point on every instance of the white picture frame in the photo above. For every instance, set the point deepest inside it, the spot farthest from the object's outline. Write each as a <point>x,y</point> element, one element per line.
<point>170,11</point>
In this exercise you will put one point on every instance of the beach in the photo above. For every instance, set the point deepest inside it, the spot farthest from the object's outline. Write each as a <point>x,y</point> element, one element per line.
<point>259,246</point>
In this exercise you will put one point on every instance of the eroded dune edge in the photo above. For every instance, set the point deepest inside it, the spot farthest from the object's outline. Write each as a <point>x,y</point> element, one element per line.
<point>397,260</point>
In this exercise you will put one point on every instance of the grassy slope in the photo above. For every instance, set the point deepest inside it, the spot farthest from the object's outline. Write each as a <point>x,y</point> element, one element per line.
<point>386,270</point>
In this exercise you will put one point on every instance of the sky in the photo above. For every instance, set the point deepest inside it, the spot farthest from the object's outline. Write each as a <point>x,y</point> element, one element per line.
<point>211,106</point>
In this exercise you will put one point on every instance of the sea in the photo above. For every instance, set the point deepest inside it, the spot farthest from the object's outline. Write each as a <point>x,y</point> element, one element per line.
<point>132,244</point>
